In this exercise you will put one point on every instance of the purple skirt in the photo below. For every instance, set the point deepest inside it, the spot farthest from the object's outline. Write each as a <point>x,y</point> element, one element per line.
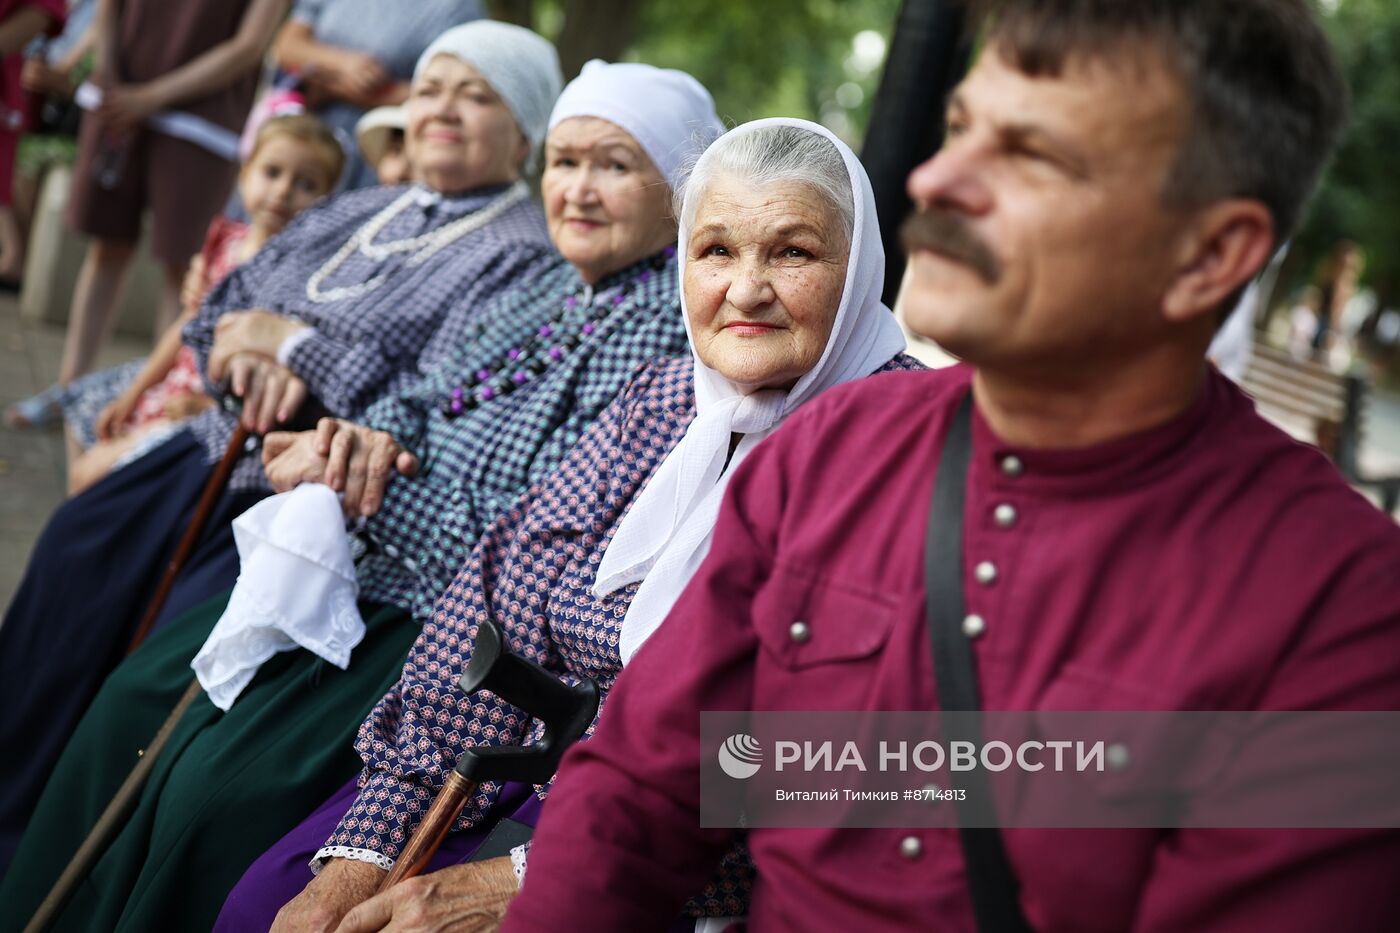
<point>281,872</point>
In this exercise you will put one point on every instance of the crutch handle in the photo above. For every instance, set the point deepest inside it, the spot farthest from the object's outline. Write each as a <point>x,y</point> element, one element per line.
<point>438,822</point>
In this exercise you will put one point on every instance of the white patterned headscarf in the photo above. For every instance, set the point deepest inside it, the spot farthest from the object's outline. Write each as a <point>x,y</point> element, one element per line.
<point>669,113</point>
<point>519,65</point>
<point>666,534</point>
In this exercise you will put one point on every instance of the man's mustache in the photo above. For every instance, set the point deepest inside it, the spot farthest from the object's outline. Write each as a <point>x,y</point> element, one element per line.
<point>944,232</point>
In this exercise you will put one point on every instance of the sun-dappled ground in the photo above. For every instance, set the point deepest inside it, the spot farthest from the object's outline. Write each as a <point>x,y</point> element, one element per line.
<point>31,461</point>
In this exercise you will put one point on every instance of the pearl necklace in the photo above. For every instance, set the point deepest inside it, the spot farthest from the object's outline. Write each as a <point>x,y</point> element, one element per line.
<point>423,247</point>
<point>549,344</point>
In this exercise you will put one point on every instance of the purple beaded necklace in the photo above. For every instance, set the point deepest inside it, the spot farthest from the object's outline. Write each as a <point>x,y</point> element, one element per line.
<point>549,344</point>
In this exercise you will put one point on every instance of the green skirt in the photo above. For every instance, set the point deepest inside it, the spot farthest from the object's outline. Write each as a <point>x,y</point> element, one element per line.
<point>225,788</point>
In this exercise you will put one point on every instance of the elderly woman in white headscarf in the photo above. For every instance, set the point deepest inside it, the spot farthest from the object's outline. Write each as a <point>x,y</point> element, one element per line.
<point>424,471</point>
<point>781,270</point>
<point>357,296</point>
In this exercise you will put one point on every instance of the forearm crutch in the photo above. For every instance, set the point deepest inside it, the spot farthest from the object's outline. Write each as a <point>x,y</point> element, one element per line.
<point>566,711</point>
<point>212,490</point>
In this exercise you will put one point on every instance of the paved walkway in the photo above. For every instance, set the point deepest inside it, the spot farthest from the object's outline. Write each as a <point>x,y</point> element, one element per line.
<point>32,461</point>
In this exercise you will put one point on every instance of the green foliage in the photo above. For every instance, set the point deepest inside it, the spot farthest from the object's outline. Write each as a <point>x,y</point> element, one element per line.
<point>1360,196</point>
<point>761,58</point>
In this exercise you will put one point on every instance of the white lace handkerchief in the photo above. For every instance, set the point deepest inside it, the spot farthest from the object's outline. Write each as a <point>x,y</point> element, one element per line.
<point>296,588</point>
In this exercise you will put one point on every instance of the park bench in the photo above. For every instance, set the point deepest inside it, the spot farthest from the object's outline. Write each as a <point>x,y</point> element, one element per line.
<point>1320,407</point>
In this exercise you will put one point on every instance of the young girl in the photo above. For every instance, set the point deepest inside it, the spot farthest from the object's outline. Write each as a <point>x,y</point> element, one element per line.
<point>295,161</point>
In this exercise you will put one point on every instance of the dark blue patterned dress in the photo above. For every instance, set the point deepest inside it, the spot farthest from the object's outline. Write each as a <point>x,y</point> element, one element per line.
<point>288,737</point>
<point>102,553</point>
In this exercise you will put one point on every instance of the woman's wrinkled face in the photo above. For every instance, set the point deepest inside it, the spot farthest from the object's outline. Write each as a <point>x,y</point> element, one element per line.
<point>606,203</point>
<point>460,133</point>
<point>765,269</point>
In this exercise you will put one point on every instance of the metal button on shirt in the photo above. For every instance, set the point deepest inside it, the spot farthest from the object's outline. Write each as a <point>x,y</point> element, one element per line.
<point>985,573</point>
<point>800,632</point>
<point>911,847</point>
<point>974,625</point>
<point>1011,465</point>
<point>1005,515</point>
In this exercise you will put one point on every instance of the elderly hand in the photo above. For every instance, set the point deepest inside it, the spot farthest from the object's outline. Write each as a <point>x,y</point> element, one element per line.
<point>463,898</point>
<point>271,392</point>
<point>319,907</point>
<point>290,458</point>
<point>359,462</point>
<point>126,106</point>
<point>255,331</point>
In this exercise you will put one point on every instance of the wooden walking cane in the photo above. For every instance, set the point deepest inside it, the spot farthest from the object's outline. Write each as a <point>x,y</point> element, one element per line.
<point>109,822</point>
<point>212,490</point>
<point>127,795</point>
<point>566,712</point>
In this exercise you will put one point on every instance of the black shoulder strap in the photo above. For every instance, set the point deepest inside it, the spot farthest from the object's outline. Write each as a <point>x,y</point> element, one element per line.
<point>989,876</point>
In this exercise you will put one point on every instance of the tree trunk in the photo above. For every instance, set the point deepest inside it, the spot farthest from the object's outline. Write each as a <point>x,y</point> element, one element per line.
<point>928,56</point>
<point>595,29</point>
<point>519,12</point>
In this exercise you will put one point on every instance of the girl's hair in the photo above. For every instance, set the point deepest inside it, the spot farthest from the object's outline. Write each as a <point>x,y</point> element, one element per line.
<point>307,129</point>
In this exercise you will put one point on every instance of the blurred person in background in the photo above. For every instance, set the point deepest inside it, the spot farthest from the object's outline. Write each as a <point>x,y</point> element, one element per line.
<point>350,56</point>
<point>20,22</point>
<point>1337,280</point>
<point>380,134</point>
<point>200,57</point>
<point>53,69</point>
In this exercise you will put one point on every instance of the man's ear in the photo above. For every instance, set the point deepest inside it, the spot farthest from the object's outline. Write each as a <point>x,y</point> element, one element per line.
<point>1226,246</point>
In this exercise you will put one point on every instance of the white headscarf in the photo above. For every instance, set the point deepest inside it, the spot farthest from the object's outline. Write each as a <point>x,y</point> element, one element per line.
<point>665,536</point>
<point>519,65</point>
<point>668,113</point>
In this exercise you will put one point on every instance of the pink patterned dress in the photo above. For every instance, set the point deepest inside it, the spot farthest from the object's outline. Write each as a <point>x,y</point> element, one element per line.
<point>220,254</point>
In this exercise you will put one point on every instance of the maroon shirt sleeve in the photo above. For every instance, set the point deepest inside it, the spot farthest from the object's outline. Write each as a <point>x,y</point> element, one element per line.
<point>621,832</point>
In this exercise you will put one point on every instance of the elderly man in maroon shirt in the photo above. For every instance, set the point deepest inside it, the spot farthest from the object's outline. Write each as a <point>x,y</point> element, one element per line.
<point>1134,536</point>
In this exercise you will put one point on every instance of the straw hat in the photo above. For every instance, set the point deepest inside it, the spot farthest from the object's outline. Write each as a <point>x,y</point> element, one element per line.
<point>376,128</point>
